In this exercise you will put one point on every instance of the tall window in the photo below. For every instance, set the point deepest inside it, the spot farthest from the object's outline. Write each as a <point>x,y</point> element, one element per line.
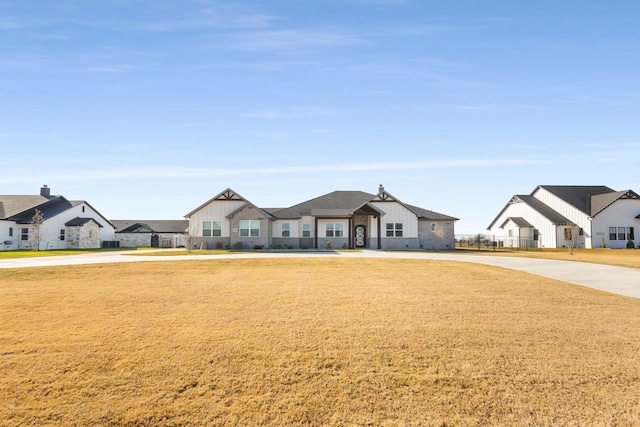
<point>211,228</point>
<point>306,230</point>
<point>24,234</point>
<point>10,231</point>
<point>334,229</point>
<point>612,233</point>
<point>62,234</point>
<point>286,229</point>
<point>621,233</point>
<point>394,229</point>
<point>630,234</point>
<point>249,228</point>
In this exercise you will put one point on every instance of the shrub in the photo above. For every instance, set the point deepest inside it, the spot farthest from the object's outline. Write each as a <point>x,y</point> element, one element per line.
<point>218,245</point>
<point>603,245</point>
<point>328,245</point>
<point>238,245</point>
<point>257,247</point>
<point>630,244</point>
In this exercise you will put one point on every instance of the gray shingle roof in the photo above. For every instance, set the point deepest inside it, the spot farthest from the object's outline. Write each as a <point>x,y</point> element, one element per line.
<point>11,205</point>
<point>544,209</point>
<point>519,221</point>
<point>337,201</point>
<point>77,222</point>
<point>578,196</point>
<point>155,226</point>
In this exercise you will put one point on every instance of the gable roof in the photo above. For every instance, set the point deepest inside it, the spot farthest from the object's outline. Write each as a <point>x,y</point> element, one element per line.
<point>578,196</point>
<point>50,208</point>
<point>336,203</point>
<point>537,205</point>
<point>154,226</point>
<point>600,202</point>
<point>78,222</point>
<point>227,194</point>
<point>517,220</point>
<point>11,205</point>
<point>250,205</point>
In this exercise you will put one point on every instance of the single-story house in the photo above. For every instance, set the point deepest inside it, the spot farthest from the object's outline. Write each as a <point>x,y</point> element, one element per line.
<point>341,219</point>
<point>556,216</point>
<point>64,224</point>
<point>151,233</point>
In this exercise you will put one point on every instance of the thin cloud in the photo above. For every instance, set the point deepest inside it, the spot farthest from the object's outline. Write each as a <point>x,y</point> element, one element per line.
<point>199,173</point>
<point>299,112</point>
<point>291,40</point>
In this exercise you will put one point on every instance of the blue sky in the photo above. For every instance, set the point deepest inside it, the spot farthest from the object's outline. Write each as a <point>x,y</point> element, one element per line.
<point>146,109</point>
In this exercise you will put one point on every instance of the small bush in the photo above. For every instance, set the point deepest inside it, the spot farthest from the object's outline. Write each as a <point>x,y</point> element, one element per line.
<point>218,245</point>
<point>238,245</point>
<point>328,245</point>
<point>257,247</point>
<point>603,244</point>
<point>630,244</point>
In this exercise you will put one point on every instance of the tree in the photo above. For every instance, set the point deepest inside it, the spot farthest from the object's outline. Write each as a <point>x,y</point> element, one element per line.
<point>38,229</point>
<point>571,234</point>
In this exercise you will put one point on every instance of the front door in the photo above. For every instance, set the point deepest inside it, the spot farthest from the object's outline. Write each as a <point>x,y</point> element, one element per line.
<point>361,236</point>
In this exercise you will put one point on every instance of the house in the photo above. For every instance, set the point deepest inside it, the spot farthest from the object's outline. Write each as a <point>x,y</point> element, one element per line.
<point>151,233</point>
<point>341,219</point>
<point>66,224</point>
<point>556,216</point>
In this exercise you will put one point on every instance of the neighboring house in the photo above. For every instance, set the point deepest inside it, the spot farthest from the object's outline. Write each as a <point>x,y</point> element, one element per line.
<point>554,215</point>
<point>67,224</point>
<point>341,219</point>
<point>152,233</point>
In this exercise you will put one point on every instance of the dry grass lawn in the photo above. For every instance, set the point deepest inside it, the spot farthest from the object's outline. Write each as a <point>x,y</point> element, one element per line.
<point>619,257</point>
<point>344,342</point>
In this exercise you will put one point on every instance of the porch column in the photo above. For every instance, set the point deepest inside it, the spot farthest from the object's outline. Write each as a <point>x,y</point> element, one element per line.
<point>350,232</point>
<point>379,232</point>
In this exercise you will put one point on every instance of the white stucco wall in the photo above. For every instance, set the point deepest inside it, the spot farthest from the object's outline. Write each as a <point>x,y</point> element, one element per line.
<point>547,230</point>
<point>396,213</point>
<point>217,210</point>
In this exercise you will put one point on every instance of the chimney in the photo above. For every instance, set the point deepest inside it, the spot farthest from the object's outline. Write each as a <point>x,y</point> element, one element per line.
<point>381,189</point>
<point>45,191</point>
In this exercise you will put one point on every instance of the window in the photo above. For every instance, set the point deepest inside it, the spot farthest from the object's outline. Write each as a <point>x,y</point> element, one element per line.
<point>630,234</point>
<point>434,226</point>
<point>394,229</point>
<point>249,228</point>
<point>24,234</point>
<point>306,230</point>
<point>62,234</point>
<point>621,233</point>
<point>334,229</point>
<point>612,233</point>
<point>10,231</point>
<point>286,229</point>
<point>211,229</point>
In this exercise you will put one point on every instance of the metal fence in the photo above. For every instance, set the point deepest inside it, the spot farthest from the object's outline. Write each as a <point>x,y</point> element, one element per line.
<point>494,243</point>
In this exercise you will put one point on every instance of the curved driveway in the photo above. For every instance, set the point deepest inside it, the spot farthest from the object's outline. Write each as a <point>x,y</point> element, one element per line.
<point>618,280</point>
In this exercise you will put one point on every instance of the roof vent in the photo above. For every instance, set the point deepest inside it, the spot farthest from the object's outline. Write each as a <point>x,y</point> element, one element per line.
<point>45,191</point>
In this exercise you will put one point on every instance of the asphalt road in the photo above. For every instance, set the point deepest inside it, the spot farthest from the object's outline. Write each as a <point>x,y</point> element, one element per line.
<point>617,280</point>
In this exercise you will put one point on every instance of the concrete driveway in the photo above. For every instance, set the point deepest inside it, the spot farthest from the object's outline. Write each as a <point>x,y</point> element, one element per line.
<point>618,280</point>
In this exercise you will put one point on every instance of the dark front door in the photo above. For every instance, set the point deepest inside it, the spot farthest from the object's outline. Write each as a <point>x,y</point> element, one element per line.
<point>155,241</point>
<point>361,236</point>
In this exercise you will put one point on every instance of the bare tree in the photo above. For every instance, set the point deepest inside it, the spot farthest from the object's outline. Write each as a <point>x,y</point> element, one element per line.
<point>191,238</point>
<point>571,234</point>
<point>38,229</point>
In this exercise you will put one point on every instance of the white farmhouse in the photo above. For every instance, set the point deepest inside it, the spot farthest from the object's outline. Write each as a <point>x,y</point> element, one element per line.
<point>554,216</point>
<point>67,224</point>
<point>341,219</point>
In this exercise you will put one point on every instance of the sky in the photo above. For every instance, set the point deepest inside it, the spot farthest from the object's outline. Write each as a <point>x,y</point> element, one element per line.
<point>147,109</point>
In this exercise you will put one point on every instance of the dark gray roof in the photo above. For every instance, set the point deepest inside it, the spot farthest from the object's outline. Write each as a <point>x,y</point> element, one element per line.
<point>517,220</point>
<point>11,205</point>
<point>578,196</point>
<point>336,203</point>
<point>77,222</point>
<point>544,209</point>
<point>427,214</point>
<point>50,208</point>
<point>154,226</point>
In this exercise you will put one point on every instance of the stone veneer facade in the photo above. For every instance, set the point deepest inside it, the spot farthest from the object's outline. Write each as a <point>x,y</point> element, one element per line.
<point>86,236</point>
